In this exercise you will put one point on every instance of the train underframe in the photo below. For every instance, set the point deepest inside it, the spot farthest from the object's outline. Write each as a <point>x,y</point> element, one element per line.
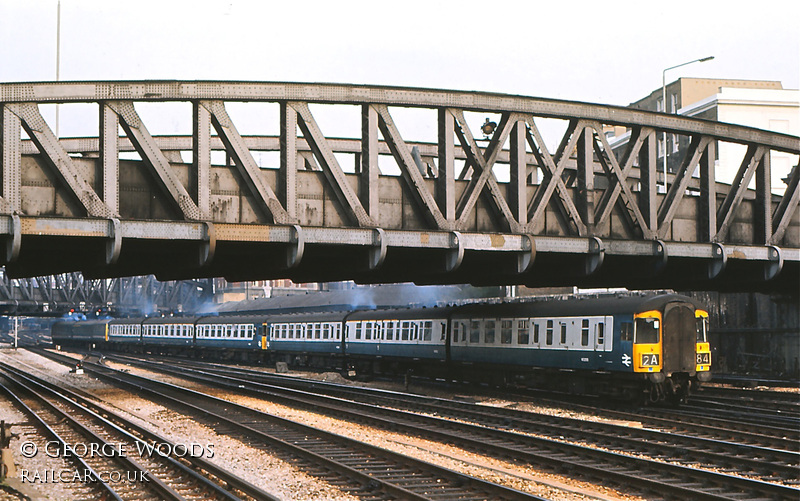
<point>640,388</point>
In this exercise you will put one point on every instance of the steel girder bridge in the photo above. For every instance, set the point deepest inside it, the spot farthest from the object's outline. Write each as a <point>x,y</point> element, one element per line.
<point>581,213</point>
<point>56,295</point>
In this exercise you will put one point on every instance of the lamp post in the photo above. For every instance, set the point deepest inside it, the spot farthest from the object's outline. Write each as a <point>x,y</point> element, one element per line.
<point>664,101</point>
<point>58,54</point>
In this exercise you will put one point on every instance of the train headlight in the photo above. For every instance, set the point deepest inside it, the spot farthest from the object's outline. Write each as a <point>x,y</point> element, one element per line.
<point>649,360</point>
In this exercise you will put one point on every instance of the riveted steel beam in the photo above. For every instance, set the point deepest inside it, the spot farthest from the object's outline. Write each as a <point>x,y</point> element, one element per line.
<point>330,166</point>
<point>200,173</point>
<point>484,165</point>
<point>787,206</point>
<point>676,191</point>
<point>585,177</point>
<point>149,151</point>
<point>618,176</point>
<point>288,170</point>
<point>707,210</point>
<point>109,158</point>
<point>412,175</point>
<point>606,214</point>
<point>400,96</point>
<point>518,173</point>
<point>58,160</point>
<point>445,182</point>
<point>368,180</point>
<point>245,164</point>
<point>10,156</point>
<point>553,169</point>
<point>762,225</point>
<point>753,157</point>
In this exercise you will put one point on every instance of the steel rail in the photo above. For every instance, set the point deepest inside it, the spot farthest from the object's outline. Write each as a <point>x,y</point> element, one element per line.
<point>399,476</point>
<point>374,413</point>
<point>155,485</point>
<point>105,489</point>
<point>122,424</point>
<point>622,438</point>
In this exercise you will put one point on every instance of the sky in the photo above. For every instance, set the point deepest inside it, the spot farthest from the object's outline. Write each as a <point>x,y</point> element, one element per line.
<point>600,52</point>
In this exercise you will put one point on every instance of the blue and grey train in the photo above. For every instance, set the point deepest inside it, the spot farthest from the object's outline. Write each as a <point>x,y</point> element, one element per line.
<point>628,346</point>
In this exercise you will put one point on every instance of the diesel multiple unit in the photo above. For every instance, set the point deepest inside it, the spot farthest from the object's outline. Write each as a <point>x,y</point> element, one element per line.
<point>651,347</point>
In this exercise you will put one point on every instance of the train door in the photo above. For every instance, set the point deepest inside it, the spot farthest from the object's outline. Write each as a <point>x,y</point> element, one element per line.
<point>679,338</point>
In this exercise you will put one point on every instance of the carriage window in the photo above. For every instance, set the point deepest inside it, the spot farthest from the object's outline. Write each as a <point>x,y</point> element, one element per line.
<point>505,331</point>
<point>646,331</point>
<point>626,331</point>
<point>358,330</point>
<point>549,334</point>
<point>456,331</point>
<point>367,330</point>
<point>388,330</point>
<point>702,329</point>
<point>488,332</point>
<point>601,333</point>
<point>563,333</point>
<point>463,327</point>
<point>535,333</point>
<point>585,332</point>
<point>475,331</point>
<point>405,331</point>
<point>427,330</point>
<point>523,336</point>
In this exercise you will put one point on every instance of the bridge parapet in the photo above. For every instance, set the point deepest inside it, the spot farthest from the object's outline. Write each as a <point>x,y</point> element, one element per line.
<point>499,209</point>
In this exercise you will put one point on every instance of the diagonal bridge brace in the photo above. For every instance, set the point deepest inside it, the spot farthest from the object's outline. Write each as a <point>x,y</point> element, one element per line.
<point>752,159</point>
<point>58,159</point>
<point>249,170</point>
<point>484,162</point>
<point>672,200</point>
<point>330,166</point>
<point>553,167</point>
<point>618,187</point>
<point>402,155</point>
<point>148,149</point>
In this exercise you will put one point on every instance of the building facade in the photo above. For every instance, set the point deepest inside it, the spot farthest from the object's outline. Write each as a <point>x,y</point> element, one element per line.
<point>762,104</point>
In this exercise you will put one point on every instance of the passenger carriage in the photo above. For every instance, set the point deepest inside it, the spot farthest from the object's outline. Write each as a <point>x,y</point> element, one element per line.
<point>409,334</point>
<point>620,346</point>
<point>125,334</point>
<point>172,333</point>
<point>229,333</point>
<point>313,339</point>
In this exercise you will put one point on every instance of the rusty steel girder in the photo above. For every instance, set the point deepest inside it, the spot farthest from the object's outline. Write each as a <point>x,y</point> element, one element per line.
<point>588,213</point>
<point>57,295</point>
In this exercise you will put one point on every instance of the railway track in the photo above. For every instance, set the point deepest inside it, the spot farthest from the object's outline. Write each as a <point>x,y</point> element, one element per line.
<point>355,467</point>
<point>766,404</point>
<point>113,458</point>
<point>623,465</point>
<point>740,437</point>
